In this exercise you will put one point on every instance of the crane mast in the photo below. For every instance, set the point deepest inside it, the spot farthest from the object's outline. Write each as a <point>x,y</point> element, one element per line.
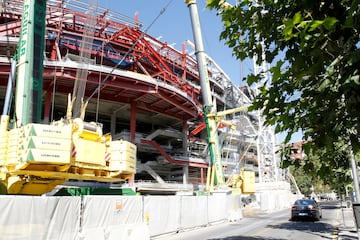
<point>30,58</point>
<point>244,180</point>
<point>215,170</point>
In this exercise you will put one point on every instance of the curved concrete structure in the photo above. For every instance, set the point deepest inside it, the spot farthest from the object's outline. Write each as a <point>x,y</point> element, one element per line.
<point>135,85</point>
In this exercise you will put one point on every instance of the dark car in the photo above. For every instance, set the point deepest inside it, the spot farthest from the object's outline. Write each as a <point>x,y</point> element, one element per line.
<point>306,209</point>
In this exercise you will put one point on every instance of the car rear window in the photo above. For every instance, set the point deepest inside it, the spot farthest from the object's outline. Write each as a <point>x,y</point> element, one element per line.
<point>305,202</point>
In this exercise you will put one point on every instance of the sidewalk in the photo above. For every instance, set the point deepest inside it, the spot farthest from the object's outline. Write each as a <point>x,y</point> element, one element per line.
<point>347,228</point>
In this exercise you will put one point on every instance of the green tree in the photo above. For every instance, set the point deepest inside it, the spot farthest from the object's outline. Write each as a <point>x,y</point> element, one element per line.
<point>313,48</point>
<point>323,170</point>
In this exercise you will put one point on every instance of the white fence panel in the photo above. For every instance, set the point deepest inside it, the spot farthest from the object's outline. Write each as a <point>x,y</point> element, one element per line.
<point>137,231</point>
<point>234,208</point>
<point>34,217</point>
<point>92,234</point>
<point>104,211</point>
<point>111,217</point>
<point>162,213</point>
<point>217,209</point>
<point>193,211</point>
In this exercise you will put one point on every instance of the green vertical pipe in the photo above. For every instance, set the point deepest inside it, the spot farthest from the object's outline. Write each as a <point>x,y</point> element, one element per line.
<point>30,52</point>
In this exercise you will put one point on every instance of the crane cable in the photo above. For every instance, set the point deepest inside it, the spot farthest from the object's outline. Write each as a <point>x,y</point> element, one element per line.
<point>128,52</point>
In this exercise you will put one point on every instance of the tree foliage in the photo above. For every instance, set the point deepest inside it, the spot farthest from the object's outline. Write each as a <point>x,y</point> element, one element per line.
<point>313,48</point>
<point>322,168</point>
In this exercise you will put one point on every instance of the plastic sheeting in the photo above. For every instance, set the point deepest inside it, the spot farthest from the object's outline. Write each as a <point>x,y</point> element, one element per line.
<point>193,211</point>
<point>233,208</point>
<point>24,217</point>
<point>109,217</point>
<point>105,211</point>
<point>162,214</point>
<point>217,209</point>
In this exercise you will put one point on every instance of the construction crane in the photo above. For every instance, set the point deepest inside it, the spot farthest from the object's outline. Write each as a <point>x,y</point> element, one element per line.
<point>36,157</point>
<point>215,176</point>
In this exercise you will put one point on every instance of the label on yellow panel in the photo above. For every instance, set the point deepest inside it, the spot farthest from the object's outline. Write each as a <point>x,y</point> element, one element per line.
<point>46,156</point>
<point>47,143</point>
<point>44,130</point>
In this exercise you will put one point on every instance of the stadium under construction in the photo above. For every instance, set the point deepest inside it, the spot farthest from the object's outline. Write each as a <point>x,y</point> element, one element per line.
<point>144,91</point>
<point>92,105</point>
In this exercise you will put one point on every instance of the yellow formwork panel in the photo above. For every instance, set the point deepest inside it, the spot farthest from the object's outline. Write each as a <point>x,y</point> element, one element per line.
<point>123,156</point>
<point>4,136</point>
<point>3,148</point>
<point>3,159</point>
<point>248,185</point>
<point>120,145</point>
<point>15,137</point>
<point>14,146</point>
<point>12,155</point>
<point>44,130</point>
<point>45,156</point>
<point>123,166</point>
<point>88,152</point>
<point>61,144</point>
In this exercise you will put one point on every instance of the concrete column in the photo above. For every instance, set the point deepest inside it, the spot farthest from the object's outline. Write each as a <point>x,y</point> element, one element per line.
<point>132,133</point>
<point>113,123</point>
<point>47,107</point>
<point>185,149</point>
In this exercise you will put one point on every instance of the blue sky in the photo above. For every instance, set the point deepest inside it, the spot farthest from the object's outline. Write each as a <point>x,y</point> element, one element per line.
<point>174,27</point>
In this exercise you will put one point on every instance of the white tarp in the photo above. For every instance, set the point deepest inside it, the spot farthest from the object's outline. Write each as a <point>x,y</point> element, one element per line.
<point>217,210</point>
<point>137,231</point>
<point>194,211</point>
<point>34,217</point>
<point>162,214</point>
<point>105,211</point>
<point>109,217</point>
<point>234,208</point>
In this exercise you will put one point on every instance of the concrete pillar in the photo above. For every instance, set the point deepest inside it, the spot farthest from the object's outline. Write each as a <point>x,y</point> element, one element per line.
<point>185,134</point>
<point>113,123</point>
<point>47,107</point>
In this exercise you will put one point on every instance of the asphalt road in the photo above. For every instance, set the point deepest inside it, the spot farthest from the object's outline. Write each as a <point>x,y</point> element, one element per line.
<point>274,225</point>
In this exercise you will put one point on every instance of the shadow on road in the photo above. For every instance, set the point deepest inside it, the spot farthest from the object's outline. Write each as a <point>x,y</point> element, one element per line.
<point>316,228</point>
<point>246,238</point>
<point>308,226</point>
<point>305,226</point>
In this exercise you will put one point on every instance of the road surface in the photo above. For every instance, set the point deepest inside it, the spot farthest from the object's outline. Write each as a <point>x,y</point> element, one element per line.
<point>275,225</point>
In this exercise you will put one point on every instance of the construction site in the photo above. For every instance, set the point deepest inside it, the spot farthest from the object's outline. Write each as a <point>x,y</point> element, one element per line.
<point>92,105</point>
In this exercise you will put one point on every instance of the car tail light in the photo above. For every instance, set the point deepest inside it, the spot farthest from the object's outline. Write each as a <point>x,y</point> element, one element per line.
<point>311,207</point>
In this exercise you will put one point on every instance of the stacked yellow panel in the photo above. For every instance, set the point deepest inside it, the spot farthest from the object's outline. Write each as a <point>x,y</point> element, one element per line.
<point>14,146</point>
<point>41,143</point>
<point>123,156</point>
<point>4,138</point>
<point>248,185</point>
<point>88,153</point>
<point>89,145</point>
